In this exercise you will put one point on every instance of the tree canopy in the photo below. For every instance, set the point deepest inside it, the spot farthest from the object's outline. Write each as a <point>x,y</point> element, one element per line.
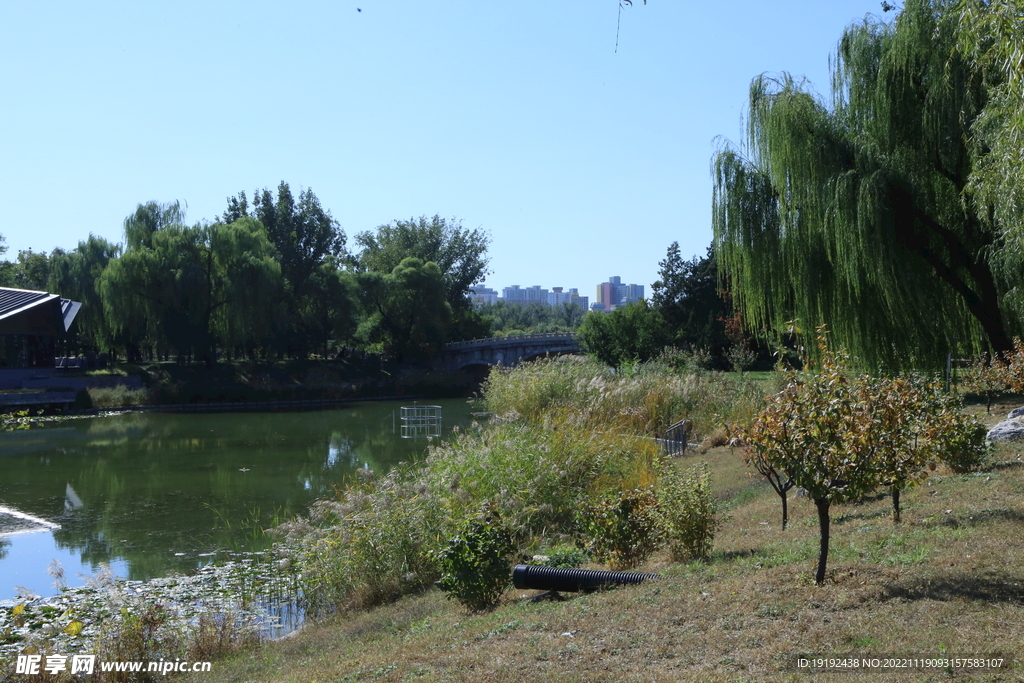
<point>192,286</point>
<point>853,213</point>
<point>271,279</point>
<point>632,333</point>
<point>303,232</point>
<point>991,34</point>
<point>76,275</point>
<point>308,245</point>
<point>686,293</point>
<point>460,254</point>
<point>840,437</point>
<point>406,310</point>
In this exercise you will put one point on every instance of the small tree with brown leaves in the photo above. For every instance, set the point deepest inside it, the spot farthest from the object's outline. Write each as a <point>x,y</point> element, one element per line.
<point>758,458</point>
<point>989,376</point>
<point>840,437</point>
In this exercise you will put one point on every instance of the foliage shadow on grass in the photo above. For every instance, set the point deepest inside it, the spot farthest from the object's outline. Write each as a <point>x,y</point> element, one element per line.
<point>980,517</point>
<point>1000,466</point>
<point>854,516</point>
<point>957,587</point>
<point>730,555</point>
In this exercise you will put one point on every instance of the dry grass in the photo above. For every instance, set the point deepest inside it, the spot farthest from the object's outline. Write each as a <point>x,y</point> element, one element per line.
<point>948,581</point>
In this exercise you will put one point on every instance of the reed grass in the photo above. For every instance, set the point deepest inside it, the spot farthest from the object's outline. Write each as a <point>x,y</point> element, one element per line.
<point>567,432</point>
<point>117,396</point>
<point>644,401</point>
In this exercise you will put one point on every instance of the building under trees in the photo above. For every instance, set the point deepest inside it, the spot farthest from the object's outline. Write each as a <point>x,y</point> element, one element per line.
<point>32,326</point>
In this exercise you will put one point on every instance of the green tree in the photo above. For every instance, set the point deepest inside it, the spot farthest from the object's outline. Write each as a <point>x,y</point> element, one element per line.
<point>687,296</point>
<point>242,282</point>
<point>306,238</point>
<point>505,318</point>
<point>328,312</point>
<point>634,333</point>
<point>304,233</point>
<point>459,253</point>
<point>991,35</point>
<point>148,219</point>
<point>853,214</point>
<point>406,312</point>
<point>31,270</point>
<point>76,275</point>
<point>185,287</point>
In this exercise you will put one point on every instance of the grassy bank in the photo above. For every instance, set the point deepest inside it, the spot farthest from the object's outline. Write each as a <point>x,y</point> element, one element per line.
<point>173,383</point>
<point>947,582</point>
<point>566,435</point>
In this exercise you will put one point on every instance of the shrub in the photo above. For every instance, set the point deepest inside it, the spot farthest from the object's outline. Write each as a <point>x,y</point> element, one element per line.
<point>990,376</point>
<point>567,431</point>
<point>566,558</point>
<point>475,565</point>
<point>965,447</point>
<point>377,541</point>
<point>623,531</point>
<point>537,477</point>
<point>115,397</point>
<point>740,357</point>
<point>687,512</point>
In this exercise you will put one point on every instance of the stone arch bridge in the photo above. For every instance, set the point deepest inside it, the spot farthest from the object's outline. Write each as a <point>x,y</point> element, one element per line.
<point>504,350</point>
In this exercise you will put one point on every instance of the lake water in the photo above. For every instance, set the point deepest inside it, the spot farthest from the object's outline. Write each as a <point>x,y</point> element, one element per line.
<point>156,493</point>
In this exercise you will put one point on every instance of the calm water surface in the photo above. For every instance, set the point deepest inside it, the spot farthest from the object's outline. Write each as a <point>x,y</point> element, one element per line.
<point>155,493</point>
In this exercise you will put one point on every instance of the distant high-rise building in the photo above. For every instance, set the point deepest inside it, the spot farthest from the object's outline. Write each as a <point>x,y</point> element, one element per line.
<point>575,298</point>
<point>613,294</point>
<point>525,295</point>
<point>631,293</point>
<point>481,295</point>
<point>557,297</point>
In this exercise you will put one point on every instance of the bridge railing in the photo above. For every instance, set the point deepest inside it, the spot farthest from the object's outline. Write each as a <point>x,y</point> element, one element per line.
<point>547,336</point>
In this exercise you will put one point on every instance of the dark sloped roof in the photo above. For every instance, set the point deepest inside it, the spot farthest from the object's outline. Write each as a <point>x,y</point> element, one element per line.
<point>12,300</point>
<point>68,310</point>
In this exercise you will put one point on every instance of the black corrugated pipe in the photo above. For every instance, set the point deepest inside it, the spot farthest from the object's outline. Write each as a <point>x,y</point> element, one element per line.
<point>555,579</point>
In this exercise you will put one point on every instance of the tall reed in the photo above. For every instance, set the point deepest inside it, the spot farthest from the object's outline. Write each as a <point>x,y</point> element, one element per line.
<point>644,401</point>
<point>566,432</point>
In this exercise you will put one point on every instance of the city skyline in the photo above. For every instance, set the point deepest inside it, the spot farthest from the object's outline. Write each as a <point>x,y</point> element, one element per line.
<point>608,295</point>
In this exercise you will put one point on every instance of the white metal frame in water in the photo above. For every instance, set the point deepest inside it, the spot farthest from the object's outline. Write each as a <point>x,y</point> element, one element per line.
<point>419,421</point>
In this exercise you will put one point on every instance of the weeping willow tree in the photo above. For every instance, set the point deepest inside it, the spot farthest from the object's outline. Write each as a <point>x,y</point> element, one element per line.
<point>853,213</point>
<point>992,36</point>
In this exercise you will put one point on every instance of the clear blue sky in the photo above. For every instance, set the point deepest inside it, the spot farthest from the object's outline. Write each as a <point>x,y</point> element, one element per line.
<point>517,118</point>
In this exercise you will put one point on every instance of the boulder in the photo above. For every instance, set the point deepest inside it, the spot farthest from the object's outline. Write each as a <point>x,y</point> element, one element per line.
<point>1016,412</point>
<point>1007,430</point>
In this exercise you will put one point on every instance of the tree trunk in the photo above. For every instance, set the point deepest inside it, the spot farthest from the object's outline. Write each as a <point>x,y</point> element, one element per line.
<point>895,505</point>
<point>823,525</point>
<point>785,510</point>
